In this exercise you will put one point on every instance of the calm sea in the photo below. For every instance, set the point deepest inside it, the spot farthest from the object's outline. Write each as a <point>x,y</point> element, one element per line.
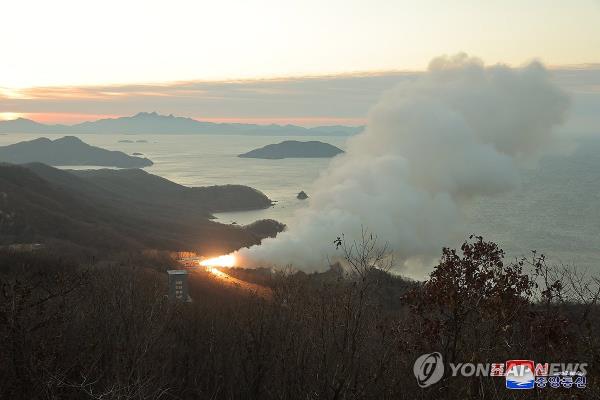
<point>556,211</point>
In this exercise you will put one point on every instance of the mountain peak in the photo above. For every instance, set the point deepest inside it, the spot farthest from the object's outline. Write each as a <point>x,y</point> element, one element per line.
<point>144,114</point>
<point>69,139</point>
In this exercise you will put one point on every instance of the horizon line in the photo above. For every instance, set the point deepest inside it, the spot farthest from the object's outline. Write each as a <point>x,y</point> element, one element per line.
<point>309,122</point>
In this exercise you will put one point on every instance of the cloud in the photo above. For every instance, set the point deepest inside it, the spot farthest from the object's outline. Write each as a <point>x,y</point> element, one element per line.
<point>337,98</point>
<point>334,99</point>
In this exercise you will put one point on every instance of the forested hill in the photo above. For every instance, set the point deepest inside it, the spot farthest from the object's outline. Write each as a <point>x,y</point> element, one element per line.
<point>120,209</point>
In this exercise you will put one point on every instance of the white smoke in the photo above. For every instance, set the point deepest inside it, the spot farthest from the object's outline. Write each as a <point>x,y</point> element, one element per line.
<point>430,145</point>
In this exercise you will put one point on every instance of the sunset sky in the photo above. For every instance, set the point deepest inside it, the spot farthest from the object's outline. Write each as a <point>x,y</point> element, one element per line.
<point>68,61</point>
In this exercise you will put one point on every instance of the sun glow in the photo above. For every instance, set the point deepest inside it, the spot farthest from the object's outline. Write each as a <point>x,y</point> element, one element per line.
<point>221,261</point>
<point>7,116</point>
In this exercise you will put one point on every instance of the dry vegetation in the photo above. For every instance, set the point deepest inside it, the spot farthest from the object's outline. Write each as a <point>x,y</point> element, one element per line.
<point>73,329</point>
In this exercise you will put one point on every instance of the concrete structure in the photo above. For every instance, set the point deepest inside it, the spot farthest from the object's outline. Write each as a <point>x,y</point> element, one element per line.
<point>178,285</point>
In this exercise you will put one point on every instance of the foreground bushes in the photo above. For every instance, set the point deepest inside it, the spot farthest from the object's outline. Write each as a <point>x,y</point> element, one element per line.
<point>106,331</point>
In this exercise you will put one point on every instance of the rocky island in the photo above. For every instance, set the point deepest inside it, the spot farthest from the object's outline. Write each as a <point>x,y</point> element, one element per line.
<point>302,195</point>
<point>294,149</point>
<point>65,151</point>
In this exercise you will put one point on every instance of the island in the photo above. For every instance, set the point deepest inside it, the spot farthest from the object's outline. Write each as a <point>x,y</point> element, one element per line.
<point>65,151</point>
<point>294,149</point>
<point>302,195</point>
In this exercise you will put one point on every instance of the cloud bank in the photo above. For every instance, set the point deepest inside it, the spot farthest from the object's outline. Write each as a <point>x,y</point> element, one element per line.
<point>430,146</point>
<point>311,101</point>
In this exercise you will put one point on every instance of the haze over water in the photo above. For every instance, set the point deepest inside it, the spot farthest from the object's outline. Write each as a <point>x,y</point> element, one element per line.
<point>555,211</point>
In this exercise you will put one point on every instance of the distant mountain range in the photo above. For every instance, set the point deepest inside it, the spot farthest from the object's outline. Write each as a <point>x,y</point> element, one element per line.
<point>68,150</point>
<point>153,123</point>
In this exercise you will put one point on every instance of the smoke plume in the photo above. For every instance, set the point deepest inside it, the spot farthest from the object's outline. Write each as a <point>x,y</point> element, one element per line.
<point>431,145</point>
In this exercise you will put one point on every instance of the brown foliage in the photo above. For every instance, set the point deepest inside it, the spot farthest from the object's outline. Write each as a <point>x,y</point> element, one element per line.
<point>104,330</point>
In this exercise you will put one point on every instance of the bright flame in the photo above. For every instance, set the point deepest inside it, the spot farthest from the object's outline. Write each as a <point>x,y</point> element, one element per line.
<point>221,261</point>
<point>217,273</point>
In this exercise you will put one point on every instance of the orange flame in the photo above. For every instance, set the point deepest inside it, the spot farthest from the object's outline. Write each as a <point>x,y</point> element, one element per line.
<point>221,261</point>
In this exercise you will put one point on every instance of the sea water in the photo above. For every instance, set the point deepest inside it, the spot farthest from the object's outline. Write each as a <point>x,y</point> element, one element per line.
<point>556,210</point>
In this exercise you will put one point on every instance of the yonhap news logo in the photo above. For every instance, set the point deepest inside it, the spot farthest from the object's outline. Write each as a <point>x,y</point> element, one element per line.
<point>429,369</point>
<point>518,374</point>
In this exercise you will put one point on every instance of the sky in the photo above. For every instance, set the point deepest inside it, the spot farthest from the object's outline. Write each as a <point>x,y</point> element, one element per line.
<point>66,61</point>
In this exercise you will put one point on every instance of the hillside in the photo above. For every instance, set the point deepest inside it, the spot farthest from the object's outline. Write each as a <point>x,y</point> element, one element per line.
<point>154,123</point>
<point>140,186</point>
<point>68,150</point>
<point>294,149</point>
<point>93,209</point>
